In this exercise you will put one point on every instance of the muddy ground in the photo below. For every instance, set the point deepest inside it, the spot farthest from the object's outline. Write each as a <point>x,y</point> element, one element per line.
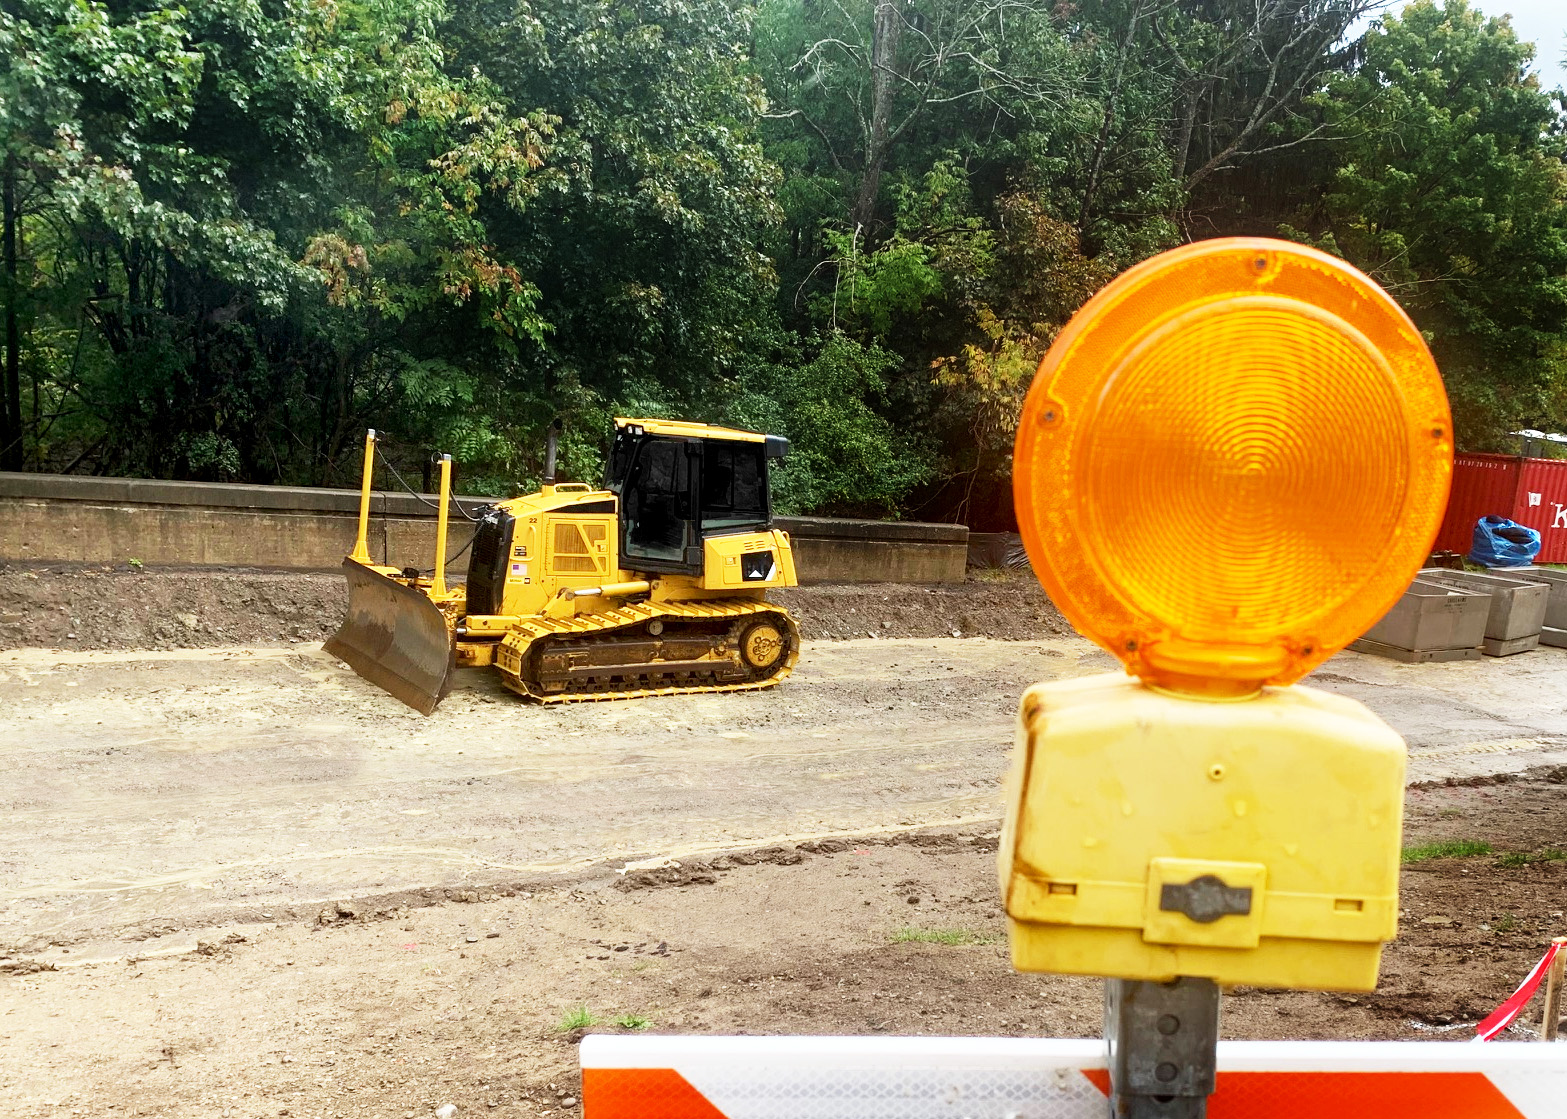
<point>237,881</point>
<point>121,607</point>
<point>397,1007</point>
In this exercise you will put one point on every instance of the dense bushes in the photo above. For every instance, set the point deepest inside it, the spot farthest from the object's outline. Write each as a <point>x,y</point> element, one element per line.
<point>237,234</point>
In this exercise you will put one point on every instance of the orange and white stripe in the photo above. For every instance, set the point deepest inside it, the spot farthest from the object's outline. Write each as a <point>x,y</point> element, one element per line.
<point>640,1077</point>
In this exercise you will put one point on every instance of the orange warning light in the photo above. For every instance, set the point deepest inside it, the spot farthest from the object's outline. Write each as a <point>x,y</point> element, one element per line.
<point>1232,462</point>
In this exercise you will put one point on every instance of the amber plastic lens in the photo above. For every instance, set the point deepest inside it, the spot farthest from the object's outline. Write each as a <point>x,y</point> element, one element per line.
<point>1232,462</point>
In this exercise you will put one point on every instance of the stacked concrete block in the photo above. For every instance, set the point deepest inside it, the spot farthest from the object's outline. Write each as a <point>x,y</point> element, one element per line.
<point>1431,622</point>
<point>1554,631</point>
<point>1518,604</point>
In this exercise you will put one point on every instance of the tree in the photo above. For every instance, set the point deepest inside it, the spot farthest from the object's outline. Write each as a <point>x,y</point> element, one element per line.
<point>646,242</point>
<point>190,184</point>
<point>1245,68</point>
<point>1451,191</point>
<point>63,60</point>
<point>845,457</point>
<point>233,235</point>
<point>924,145</point>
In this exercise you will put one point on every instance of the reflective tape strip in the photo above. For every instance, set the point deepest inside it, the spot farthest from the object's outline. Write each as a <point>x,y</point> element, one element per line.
<point>638,1077</point>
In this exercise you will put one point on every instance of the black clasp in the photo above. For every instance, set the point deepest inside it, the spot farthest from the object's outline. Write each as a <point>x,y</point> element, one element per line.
<point>1205,899</point>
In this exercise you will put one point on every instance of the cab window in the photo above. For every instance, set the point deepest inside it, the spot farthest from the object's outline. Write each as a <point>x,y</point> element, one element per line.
<point>655,501</point>
<point>620,456</point>
<point>734,487</point>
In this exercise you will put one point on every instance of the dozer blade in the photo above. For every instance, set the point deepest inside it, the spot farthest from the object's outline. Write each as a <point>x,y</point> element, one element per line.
<point>395,638</point>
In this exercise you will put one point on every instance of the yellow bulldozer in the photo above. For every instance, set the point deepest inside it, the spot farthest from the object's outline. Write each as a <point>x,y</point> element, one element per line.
<point>651,584</point>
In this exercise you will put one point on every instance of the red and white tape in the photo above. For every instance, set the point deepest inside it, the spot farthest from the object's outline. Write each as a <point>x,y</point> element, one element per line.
<point>1503,1016</point>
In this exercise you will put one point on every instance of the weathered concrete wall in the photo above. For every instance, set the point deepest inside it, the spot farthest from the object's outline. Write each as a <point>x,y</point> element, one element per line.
<point>56,518</point>
<point>68,519</point>
<point>830,550</point>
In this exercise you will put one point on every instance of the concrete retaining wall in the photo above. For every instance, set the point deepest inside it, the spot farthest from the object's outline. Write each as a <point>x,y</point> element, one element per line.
<point>830,550</point>
<point>52,518</point>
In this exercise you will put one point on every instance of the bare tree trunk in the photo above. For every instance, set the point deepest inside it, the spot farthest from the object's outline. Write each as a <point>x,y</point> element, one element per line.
<point>1183,141</point>
<point>886,32</point>
<point>11,414</point>
<point>1102,146</point>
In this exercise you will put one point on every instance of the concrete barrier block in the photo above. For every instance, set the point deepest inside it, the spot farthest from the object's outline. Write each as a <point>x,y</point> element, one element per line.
<point>1517,604</point>
<point>1431,617</point>
<point>48,518</point>
<point>1556,605</point>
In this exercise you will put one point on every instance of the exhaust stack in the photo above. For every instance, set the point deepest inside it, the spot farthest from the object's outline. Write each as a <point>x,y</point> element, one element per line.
<point>551,445</point>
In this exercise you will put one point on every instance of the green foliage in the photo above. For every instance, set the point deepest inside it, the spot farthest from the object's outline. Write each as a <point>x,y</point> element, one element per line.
<point>244,232</point>
<point>950,937</point>
<point>845,456</point>
<point>185,174</point>
<point>1040,278</point>
<point>578,1017</point>
<point>1445,849</point>
<point>1450,190</point>
<point>634,1021</point>
<point>876,287</point>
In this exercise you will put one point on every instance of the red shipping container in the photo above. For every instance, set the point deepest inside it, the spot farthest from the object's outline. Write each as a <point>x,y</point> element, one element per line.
<point>1531,491</point>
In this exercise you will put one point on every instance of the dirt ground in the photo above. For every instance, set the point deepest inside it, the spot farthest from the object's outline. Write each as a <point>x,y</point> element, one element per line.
<point>394,1008</point>
<point>57,607</point>
<point>235,880</point>
<point>150,789</point>
<point>148,792</point>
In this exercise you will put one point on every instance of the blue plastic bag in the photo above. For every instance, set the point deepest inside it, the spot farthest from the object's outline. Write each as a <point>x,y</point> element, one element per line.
<point>1499,542</point>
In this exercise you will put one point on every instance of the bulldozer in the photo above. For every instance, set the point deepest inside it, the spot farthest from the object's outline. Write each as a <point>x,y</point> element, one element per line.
<point>652,583</point>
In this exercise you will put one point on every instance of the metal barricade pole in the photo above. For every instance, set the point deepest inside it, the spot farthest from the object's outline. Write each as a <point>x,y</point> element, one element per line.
<point>1163,1043</point>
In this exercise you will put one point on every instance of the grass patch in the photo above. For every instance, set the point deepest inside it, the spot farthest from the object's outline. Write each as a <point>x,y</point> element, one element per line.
<point>578,1017</point>
<point>1524,858</point>
<point>1446,849</point>
<point>911,935</point>
<point>633,1022</point>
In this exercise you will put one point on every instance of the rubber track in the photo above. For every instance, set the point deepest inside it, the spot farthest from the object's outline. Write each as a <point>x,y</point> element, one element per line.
<point>608,621</point>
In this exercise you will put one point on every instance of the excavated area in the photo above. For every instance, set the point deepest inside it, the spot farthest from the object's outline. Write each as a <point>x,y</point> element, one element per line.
<point>118,608</point>
<point>236,881</point>
<point>393,1006</point>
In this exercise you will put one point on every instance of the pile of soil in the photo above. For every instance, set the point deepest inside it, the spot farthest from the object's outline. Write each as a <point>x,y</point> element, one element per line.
<point>1008,606</point>
<point>121,607</point>
<point>125,608</point>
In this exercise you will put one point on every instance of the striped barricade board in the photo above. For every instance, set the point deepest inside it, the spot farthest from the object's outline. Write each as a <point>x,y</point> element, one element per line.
<point>639,1077</point>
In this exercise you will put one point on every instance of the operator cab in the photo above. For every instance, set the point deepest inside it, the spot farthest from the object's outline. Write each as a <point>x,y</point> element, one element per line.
<point>680,483</point>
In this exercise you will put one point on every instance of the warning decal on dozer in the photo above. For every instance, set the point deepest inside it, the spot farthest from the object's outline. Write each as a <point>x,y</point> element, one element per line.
<point>625,1077</point>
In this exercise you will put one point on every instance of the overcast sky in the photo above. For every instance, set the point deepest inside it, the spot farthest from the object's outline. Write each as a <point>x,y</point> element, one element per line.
<point>1541,22</point>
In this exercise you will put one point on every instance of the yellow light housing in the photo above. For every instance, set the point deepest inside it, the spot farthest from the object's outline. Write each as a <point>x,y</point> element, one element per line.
<point>1232,462</point>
